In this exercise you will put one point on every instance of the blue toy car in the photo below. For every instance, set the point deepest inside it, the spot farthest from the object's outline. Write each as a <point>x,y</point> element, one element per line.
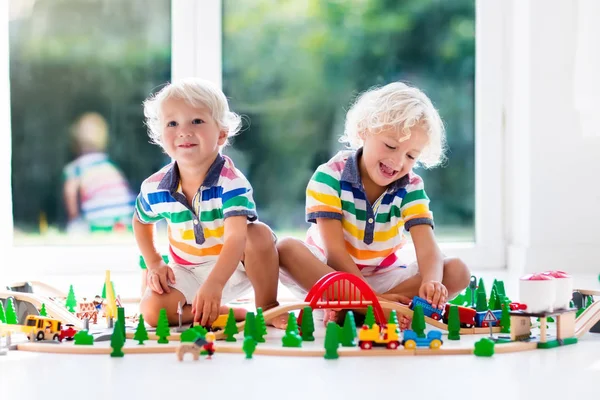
<point>411,340</point>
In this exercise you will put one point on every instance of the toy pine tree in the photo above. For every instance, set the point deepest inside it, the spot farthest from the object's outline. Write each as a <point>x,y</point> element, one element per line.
<point>190,335</point>
<point>292,337</point>
<point>481,288</point>
<point>261,326</point>
<point>11,312</point>
<point>117,341</point>
<point>231,328</point>
<point>162,328</point>
<point>71,300</point>
<point>505,319</point>
<point>250,325</point>
<point>2,313</point>
<point>394,320</point>
<point>418,321</point>
<point>249,346</point>
<point>141,333</point>
<point>331,341</point>
<point>500,290</point>
<point>453,324</point>
<point>481,302</point>
<point>469,298</point>
<point>121,317</point>
<point>308,325</point>
<point>104,289</point>
<point>370,317</point>
<point>348,336</point>
<point>43,311</point>
<point>493,297</point>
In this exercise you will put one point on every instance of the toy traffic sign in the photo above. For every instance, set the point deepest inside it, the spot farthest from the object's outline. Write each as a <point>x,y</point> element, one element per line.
<point>489,317</point>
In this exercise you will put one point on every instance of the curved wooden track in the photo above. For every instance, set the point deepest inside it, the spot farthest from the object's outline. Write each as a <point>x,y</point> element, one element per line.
<point>53,309</point>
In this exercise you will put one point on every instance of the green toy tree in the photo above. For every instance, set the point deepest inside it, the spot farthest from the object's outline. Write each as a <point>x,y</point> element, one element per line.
<point>492,302</point>
<point>104,289</point>
<point>83,338</point>
<point>117,341</point>
<point>121,317</point>
<point>505,319</point>
<point>261,326</point>
<point>331,341</point>
<point>393,319</point>
<point>348,336</point>
<point>43,311</point>
<point>370,317</point>
<point>141,333</point>
<point>469,298</point>
<point>453,324</point>
<point>484,348</point>
<point>2,313</point>
<point>292,337</point>
<point>459,300</point>
<point>481,302</point>
<point>481,288</point>
<point>250,325</point>
<point>500,290</point>
<point>190,335</point>
<point>231,328</point>
<point>308,325</point>
<point>418,321</point>
<point>71,300</point>
<point>162,328</point>
<point>249,346</point>
<point>11,312</point>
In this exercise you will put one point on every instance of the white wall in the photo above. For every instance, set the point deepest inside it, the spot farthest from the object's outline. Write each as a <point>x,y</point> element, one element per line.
<point>552,172</point>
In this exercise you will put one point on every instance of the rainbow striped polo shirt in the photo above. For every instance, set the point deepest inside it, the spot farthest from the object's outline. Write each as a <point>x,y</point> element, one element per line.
<point>373,232</point>
<point>196,234</point>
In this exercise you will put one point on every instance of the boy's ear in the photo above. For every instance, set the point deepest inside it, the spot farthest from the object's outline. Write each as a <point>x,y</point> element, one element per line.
<point>222,138</point>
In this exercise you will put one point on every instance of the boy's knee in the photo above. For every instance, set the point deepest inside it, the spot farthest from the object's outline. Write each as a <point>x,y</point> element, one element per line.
<point>150,307</point>
<point>459,273</point>
<point>286,247</point>
<point>260,237</point>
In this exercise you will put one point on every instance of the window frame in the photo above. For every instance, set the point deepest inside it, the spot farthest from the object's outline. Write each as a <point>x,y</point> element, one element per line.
<point>200,54</point>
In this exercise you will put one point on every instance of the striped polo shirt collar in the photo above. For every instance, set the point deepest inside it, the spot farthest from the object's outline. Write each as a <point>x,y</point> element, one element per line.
<point>351,174</point>
<point>170,181</point>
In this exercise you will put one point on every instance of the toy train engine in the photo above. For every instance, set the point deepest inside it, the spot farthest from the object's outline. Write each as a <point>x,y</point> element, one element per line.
<point>377,336</point>
<point>428,310</point>
<point>466,315</point>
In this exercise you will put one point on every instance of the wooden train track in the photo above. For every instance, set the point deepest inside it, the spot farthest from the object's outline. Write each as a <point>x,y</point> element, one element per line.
<point>587,319</point>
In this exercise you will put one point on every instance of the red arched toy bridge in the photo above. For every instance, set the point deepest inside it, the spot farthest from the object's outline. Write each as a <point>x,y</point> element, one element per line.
<point>343,290</point>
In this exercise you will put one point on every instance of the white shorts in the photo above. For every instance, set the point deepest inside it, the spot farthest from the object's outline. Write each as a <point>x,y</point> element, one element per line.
<point>188,281</point>
<point>380,282</point>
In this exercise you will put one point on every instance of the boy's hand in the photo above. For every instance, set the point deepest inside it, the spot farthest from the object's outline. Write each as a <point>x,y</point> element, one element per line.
<point>396,298</point>
<point>159,276</point>
<point>207,302</point>
<point>435,293</point>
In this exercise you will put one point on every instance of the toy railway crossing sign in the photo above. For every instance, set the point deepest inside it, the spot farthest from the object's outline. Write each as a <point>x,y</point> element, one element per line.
<point>489,317</point>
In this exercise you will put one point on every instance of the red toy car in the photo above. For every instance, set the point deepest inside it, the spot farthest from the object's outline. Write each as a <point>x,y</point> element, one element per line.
<point>67,332</point>
<point>517,306</point>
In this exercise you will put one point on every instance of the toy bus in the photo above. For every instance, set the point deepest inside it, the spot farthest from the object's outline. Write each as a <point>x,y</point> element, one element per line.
<point>42,328</point>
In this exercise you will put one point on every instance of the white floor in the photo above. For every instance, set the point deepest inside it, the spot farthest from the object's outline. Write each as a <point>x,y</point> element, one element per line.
<point>564,372</point>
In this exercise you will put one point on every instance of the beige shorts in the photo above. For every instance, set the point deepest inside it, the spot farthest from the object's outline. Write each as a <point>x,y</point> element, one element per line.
<point>380,282</point>
<point>188,281</point>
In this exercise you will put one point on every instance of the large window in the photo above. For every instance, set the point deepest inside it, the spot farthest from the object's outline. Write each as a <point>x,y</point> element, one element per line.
<point>294,67</point>
<point>79,71</point>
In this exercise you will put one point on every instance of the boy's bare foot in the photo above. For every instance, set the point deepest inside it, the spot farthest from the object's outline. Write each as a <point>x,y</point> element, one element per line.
<point>279,322</point>
<point>330,315</point>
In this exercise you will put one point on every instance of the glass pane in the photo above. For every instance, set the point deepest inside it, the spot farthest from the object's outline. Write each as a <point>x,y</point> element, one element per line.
<point>293,68</point>
<point>79,71</point>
